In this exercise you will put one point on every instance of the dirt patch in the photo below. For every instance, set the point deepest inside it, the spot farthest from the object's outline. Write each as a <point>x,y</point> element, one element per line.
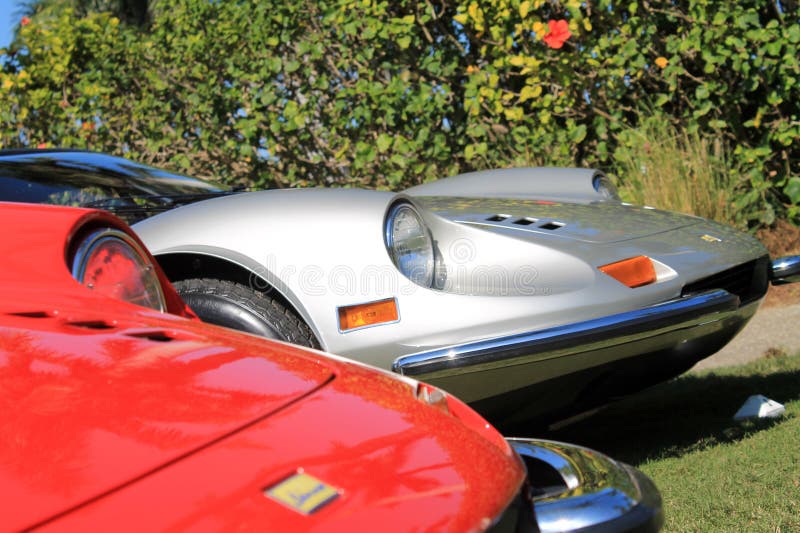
<point>782,295</point>
<point>781,239</point>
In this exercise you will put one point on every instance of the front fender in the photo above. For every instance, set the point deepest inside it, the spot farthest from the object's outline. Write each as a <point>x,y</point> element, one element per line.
<point>318,247</point>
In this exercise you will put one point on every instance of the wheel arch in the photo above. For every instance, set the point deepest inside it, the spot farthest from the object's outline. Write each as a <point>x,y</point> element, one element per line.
<point>179,266</point>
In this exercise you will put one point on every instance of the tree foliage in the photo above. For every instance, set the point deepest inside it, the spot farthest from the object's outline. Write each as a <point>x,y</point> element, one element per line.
<point>389,93</point>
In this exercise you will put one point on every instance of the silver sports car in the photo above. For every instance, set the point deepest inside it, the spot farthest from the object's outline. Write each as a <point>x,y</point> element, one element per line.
<point>531,291</point>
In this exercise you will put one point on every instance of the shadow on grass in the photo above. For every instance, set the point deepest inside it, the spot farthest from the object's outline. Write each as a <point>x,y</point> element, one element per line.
<point>681,416</point>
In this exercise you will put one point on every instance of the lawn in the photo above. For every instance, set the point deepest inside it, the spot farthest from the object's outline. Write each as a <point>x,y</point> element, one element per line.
<point>714,474</point>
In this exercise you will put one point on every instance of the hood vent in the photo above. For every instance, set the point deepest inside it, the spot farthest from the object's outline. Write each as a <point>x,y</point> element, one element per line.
<point>91,324</point>
<point>155,336</point>
<point>550,225</point>
<point>601,223</point>
<point>105,327</point>
<point>32,314</point>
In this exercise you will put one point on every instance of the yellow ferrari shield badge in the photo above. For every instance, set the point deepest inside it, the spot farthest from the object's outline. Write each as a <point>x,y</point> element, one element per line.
<point>303,493</point>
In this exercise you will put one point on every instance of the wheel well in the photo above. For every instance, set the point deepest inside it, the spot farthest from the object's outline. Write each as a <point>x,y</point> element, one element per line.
<point>179,267</point>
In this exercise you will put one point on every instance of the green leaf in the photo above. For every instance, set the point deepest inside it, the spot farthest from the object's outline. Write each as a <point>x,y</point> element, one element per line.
<point>291,66</point>
<point>793,33</point>
<point>524,8</point>
<point>384,142</point>
<point>578,134</point>
<point>469,152</point>
<point>792,190</point>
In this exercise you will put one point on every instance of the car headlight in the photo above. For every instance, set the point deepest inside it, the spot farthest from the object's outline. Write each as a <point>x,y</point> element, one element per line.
<point>410,244</point>
<point>112,263</point>
<point>605,187</point>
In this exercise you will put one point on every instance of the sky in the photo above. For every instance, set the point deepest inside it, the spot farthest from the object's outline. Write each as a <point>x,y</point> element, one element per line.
<point>9,10</point>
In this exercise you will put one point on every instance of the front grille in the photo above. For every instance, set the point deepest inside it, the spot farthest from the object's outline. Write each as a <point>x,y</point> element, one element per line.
<point>748,281</point>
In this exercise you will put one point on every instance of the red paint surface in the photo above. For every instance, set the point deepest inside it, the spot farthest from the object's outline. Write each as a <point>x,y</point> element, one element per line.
<point>115,416</point>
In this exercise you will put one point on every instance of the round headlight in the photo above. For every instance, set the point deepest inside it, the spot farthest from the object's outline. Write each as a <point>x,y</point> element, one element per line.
<point>605,187</point>
<point>410,245</point>
<point>110,262</point>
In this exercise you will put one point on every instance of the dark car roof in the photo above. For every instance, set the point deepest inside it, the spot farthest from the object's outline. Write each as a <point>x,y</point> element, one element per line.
<point>78,165</point>
<point>91,179</point>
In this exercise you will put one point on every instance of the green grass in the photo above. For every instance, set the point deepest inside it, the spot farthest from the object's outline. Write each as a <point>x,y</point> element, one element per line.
<point>714,474</point>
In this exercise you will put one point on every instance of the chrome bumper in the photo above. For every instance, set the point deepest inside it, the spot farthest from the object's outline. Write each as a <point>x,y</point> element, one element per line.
<point>619,329</point>
<point>785,270</point>
<point>624,328</point>
<point>574,488</point>
<point>637,348</point>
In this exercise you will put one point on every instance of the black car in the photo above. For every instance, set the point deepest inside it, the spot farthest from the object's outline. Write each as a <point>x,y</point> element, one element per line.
<point>80,178</point>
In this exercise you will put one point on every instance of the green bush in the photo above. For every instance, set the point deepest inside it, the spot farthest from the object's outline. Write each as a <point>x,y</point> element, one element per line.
<point>392,93</point>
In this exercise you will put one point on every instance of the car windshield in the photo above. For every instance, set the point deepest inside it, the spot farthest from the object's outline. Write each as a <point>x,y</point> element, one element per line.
<point>95,180</point>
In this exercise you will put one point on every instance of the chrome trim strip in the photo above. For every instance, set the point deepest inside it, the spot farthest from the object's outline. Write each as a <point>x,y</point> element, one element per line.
<point>785,270</point>
<point>585,336</point>
<point>597,491</point>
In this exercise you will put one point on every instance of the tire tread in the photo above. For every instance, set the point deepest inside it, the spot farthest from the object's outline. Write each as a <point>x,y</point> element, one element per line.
<point>284,320</point>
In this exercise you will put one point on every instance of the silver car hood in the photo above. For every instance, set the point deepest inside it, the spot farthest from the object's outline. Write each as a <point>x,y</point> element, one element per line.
<point>599,223</point>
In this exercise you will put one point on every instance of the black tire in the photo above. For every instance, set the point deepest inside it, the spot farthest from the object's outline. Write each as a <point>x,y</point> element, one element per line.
<point>236,306</point>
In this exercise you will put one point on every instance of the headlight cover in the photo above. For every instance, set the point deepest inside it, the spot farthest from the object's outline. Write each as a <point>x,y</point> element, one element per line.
<point>410,244</point>
<point>605,188</point>
<point>110,262</point>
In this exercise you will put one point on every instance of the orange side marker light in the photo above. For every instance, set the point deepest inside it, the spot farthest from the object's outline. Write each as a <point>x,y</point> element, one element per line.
<point>368,314</point>
<point>634,272</point>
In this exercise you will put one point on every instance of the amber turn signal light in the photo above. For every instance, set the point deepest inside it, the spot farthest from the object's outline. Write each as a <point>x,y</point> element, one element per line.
<point>368,314</point>
<point>634,272</point>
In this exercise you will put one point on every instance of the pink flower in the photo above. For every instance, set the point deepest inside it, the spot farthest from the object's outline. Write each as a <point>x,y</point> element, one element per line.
<point>41,145</point>
<point>559,33</point>
<point>24,21</point>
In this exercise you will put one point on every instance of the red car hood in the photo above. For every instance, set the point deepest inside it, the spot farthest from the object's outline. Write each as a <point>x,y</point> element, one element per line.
<point>143,421</point>
<point>89,405</point>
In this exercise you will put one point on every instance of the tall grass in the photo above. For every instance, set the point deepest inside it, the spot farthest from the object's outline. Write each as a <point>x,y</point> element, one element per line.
<point>671,169</point>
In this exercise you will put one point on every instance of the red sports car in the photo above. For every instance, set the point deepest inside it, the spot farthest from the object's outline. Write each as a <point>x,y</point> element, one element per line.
<point>121,412</point>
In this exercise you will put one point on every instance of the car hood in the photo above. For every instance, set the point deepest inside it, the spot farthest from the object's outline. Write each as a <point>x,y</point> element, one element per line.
<point>599,222</point>
<point>367,454</point>
<point>152,422</point>
<point>90,404</point>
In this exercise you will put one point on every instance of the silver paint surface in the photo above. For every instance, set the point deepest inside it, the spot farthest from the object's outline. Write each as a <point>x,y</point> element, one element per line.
<point>324,248</point>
